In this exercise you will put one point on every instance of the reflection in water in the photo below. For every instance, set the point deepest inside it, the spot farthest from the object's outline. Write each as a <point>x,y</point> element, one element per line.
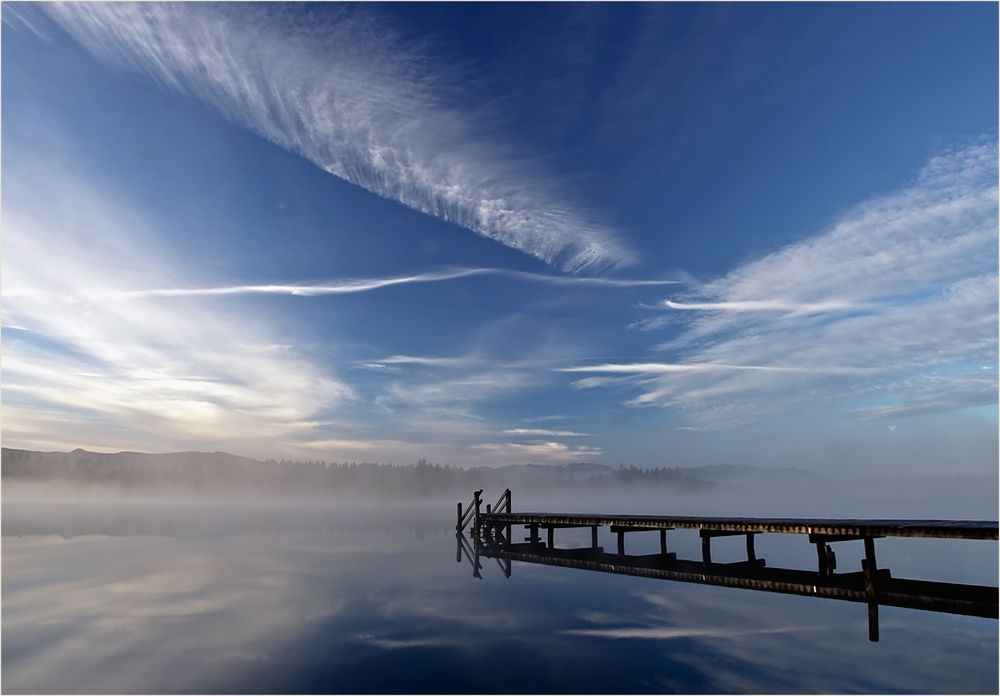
<point>752,574</point>
<point>344,599</point>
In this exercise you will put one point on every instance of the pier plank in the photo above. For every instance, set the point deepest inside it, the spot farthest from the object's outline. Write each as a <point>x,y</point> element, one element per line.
<point>940,529</point>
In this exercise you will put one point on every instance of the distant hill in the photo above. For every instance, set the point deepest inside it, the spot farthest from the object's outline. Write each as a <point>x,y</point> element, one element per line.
<point>221,472</point>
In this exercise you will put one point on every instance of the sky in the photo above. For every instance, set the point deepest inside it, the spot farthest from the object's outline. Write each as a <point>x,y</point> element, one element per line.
<point>484,234</point>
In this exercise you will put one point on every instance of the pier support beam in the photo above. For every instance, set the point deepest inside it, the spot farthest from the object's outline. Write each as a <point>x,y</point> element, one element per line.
<point>706,544</point>
<point>826,557</point>
<point>870,568</point>
<point>593,537</point>
<point>552,537</point>
<point>621,543</point>
<point>533,537</point>
<point>663,541</point>
<point>477,499</point>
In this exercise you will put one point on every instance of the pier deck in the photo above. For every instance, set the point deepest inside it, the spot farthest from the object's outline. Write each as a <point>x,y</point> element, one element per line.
<point>491,534</point>
<point>939,529</point>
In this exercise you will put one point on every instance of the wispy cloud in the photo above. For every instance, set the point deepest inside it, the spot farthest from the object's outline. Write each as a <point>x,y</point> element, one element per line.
<point>762,306</point>
<point>351,286</point>
<point>462,361</point>
<point>346,92</point>
<point>541,432</point>
<point>546,451</point>
<point>888,312</point>
<point>665,368</point>
<point>143,374</point>
<point>673,633</point>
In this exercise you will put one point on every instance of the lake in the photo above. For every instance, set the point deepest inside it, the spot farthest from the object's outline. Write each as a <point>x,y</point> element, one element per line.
<point>151,596</point>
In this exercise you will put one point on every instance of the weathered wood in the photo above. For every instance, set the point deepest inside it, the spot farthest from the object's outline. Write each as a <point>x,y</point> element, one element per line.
<point>953,598</point>
<point>940,529</point>
<point>831,538</point>
<point>476,502</point>
<point>716,533</point>
<point>870,569</point>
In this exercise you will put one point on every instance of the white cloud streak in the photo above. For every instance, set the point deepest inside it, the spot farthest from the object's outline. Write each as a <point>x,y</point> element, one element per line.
<point>143,374</point>
<point>548,451</point>
<point>762,306</point>
<point>351,286</point>
<point>887,313</point>
<point>349,95</point>
<point>666,368</point>
<point>541,432</point>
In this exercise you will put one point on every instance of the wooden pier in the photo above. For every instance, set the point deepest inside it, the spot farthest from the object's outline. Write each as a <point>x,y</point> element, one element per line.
<point>491,529</point>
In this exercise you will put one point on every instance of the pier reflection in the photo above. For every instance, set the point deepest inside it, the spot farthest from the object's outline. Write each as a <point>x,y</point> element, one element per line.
<point>866,587</point>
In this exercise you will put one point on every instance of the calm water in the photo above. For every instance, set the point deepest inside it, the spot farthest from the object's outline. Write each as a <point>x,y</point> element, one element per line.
<point>200,597</point>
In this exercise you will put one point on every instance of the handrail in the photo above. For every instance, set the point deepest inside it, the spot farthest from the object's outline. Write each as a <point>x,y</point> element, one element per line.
<point>471,512</point>
<point>504,497</point>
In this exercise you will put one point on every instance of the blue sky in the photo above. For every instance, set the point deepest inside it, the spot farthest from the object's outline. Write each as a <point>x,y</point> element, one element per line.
<point>649,234</point>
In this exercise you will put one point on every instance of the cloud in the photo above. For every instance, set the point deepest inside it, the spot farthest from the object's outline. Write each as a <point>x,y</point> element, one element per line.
<point>346,92</point>
<point>665,368</point>
<point>428,361</point>
<point>672,633</point>
<point>762,306</point>
<point>540,432</point>
<point>551,451</point>
<point>142,374</point>
<point>890,311</point>
<point>351,286</point>
<point>17,19</point>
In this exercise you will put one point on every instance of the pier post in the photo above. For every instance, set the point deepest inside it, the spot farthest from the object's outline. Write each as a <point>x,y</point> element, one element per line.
<point>706,548</point>
<point>663,541</point>
<point>552,537</point>
<point>870,568</point>
<point>477,501</point>
<point>533,535</point>
<point>621,543</point>
<point>458,526</point>
<point>751,550</point>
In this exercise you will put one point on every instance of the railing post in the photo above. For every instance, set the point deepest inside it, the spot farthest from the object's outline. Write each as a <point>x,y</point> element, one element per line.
<point>477,501</point>
<point>458,527</point>
<point>870,568</point>
<point>507,491</point>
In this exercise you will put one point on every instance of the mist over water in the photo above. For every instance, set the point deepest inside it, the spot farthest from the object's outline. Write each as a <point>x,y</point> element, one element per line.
<point>158,592</point>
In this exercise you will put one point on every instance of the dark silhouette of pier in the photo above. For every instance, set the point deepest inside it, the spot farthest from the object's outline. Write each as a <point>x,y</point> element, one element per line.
<point>490,536</point>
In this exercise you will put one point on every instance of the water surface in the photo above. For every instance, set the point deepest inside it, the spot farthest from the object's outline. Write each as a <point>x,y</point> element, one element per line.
<point>147,596</point>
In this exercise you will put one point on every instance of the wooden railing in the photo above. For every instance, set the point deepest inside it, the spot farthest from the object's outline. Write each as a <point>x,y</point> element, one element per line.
<point>472,512</point>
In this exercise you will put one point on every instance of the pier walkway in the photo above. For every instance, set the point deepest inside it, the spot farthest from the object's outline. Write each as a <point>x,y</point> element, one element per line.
<point>491,535</point>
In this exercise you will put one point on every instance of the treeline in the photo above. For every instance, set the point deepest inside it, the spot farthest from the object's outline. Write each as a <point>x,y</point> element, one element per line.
<point>219,472</point>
